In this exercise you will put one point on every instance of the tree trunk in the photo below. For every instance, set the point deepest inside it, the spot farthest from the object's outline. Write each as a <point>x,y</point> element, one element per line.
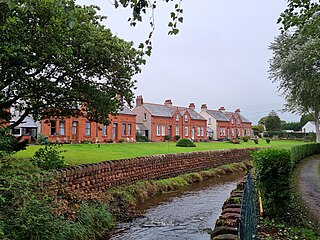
<point>317,122</point>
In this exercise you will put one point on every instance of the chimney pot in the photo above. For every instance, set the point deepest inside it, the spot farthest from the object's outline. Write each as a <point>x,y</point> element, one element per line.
<point>192,106</point>
<point>168,102</point>
<point>237,110</point>
<point>204,107</point>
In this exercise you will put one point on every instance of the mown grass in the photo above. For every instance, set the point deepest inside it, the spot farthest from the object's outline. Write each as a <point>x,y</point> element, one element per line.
<point>90,153</point>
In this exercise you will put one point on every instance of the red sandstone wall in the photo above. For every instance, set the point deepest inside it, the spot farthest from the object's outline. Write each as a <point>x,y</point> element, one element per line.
<point>100,176</point>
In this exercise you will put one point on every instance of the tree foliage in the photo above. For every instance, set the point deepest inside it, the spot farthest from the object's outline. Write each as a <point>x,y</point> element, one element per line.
<point>273,122</point>
<point>56,56</point>
<point>295,64</point>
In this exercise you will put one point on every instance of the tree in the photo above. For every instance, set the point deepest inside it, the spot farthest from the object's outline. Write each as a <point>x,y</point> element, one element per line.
<point>295,126</point>
<point>296,59</point>
<point>263,120</point>
<point>56,56</point>
<point>273,122</point>
<point>306,118</point>
<point>257,129</point>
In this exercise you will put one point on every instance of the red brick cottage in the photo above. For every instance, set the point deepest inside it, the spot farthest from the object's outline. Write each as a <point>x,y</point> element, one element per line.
<point>79,129</point>
<point>161,120</point>
<point>226,125</point>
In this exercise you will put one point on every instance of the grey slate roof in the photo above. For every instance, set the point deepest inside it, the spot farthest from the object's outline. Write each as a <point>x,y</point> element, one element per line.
<point>141,127</point>
<point>243,119</point>
<point>125,110</point>
<point>194,115</point>
<point>28,122</point>
<point>158,110</point>
<point>218,115</point>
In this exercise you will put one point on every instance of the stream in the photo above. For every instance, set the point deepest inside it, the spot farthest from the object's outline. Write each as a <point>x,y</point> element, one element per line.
<point>188,213</point>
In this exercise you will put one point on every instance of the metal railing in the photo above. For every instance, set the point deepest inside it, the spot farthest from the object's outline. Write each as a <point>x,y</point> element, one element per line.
<point>248,215</point>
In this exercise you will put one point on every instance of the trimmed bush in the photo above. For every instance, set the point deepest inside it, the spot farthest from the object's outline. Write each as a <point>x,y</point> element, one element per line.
<point>42,139</point>
<point>256,141</point>
<point>177,137</point>
<point>185,142</point>
<point>273,171</point>
<point>268,140</point>
<point>140,138</point>
<point>245,138</point>
<point>301,151</point>
<point>167,137</point>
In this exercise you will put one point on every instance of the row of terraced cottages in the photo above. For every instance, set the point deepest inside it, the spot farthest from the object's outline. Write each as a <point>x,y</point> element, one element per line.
<point>155,121</point>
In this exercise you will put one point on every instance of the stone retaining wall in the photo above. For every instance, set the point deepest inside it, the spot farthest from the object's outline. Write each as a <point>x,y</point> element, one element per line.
<point>101,176</point>
<point>227,224</point>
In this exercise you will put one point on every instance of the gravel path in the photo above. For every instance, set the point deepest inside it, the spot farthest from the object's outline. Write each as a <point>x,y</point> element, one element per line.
<point>310,185</point>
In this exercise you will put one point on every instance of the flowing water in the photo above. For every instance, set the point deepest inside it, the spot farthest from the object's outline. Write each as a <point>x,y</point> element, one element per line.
<point>188,213</point>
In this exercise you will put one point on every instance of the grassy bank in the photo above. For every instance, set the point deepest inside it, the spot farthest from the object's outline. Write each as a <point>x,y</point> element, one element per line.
<point>90,153</point>
<point>27,212</point>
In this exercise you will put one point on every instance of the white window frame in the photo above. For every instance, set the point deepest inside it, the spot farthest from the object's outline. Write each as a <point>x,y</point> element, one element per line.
<point>104,130</point>
<point>177,130</point>
<point>88,128</point>
<point>198,132</point>
<point>209,122</point>
<point>158,130</point>
<point>62,128</point>
<point>163,130</point>
<point>186,131</point>
<point>177,117</point>
<point>202,131</point>
<point>186,118</point>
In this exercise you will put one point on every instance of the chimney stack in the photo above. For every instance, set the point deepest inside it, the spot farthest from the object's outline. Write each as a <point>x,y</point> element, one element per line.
<point>168,102</point>
<point>204,107</point>
<point>139,101</point>
<point>222,109</point>
<point>237,110</point>
<point>192,106</point>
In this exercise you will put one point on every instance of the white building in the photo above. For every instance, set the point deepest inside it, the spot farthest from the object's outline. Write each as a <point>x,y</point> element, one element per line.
<point>309,127</point>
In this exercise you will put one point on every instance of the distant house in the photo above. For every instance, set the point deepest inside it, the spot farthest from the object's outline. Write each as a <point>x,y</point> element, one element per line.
<point>79,129</point>
<point>156,121</point>
<point>27,129</point>
<point>226,125</point>
<point>309,127</point>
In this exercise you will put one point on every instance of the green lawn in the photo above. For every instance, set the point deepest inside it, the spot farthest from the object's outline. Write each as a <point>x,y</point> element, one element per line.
<point>90,153</point>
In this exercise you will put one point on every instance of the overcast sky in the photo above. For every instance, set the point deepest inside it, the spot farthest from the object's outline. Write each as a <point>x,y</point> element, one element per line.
<point>220,57</point>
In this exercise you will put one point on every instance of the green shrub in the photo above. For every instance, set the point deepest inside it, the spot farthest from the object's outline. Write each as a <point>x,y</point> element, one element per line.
<point>86,141</point>
<point>167,137</point>
<point>49,157</point>
<point>273,171</point>
<point>256,141</point>
<point>310,137</point>
<point>301,151</point>
<point>121,140</point>
<point>42,139</point>
<point>185,142</point>
<point>268,140</point>
<point>177,137</point>
<point>140,138</point>
<point>245,138</point>
<point>230,140</point>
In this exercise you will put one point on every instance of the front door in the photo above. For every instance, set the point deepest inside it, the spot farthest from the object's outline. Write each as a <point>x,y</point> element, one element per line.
<point>114,131</point>
<point>75,131</point>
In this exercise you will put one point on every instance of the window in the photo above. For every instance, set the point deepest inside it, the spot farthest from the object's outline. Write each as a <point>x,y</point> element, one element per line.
<point>221,131</point>
<point>177,117</point>
<point>74,127</point>
<point>232,121</point>
<point>163,132</point>
<point>209,123</point>
<point>198,132</point>
<point>129,129</point>
<point>16,131</point>
<point>186,118</point>
<point>158,130</point>
<point>53,129</point>
<point>123,129</point>
<point>88,129</point>
<point>232,132</point>
<point>145,117</point>
<point>177,130</point>
<point>186,130</point>
<point>61,128</point>
<point>104,130</point>
<point>202,132</point>
<point>238,132</point>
